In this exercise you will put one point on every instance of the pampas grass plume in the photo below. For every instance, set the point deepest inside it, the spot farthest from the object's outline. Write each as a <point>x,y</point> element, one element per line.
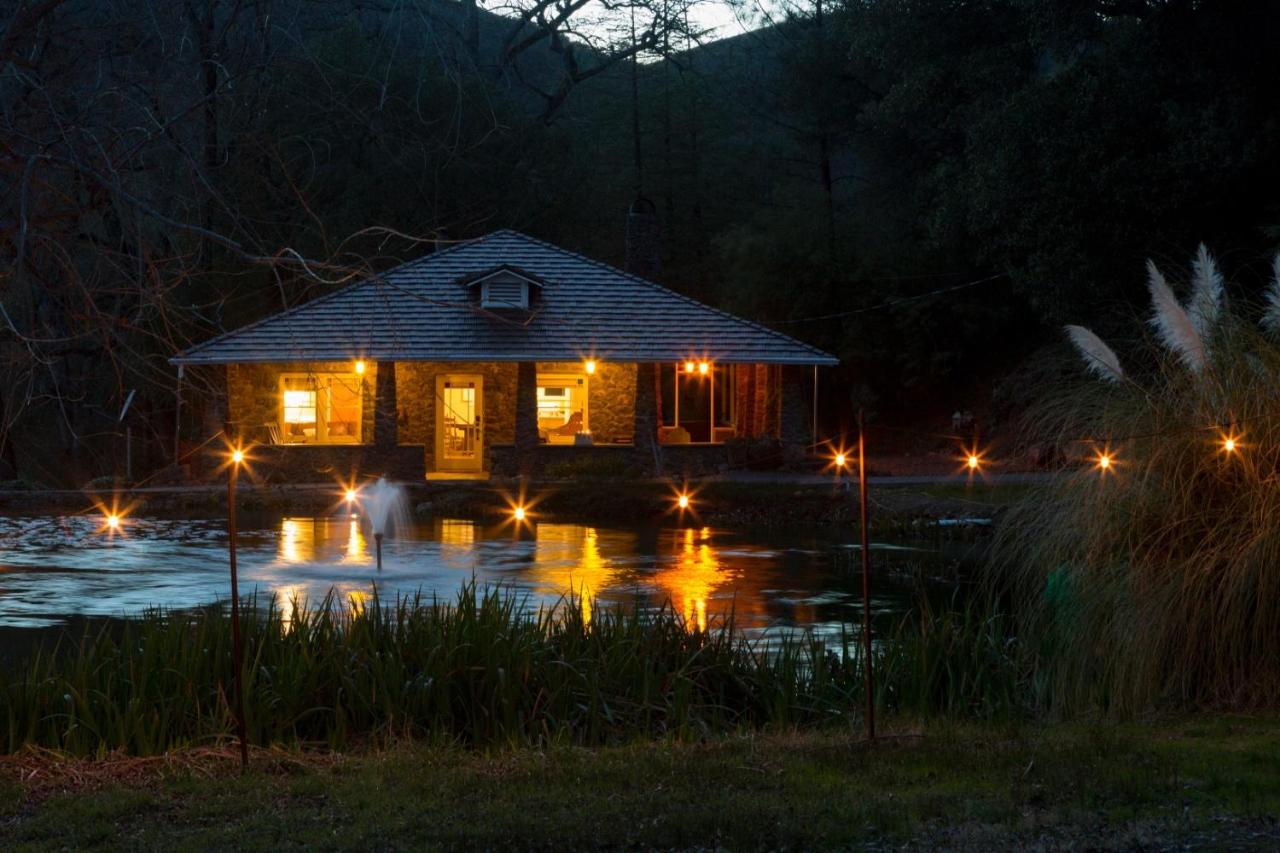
<point>1170,320</point>
<point>1098,357</point>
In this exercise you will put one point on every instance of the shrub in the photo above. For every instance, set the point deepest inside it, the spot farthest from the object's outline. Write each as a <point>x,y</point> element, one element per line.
<point>1157,582</point>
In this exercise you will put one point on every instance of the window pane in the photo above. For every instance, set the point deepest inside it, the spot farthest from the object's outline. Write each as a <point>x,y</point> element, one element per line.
<point>562,408</point>
<point>300,404</point>
<point>726,395</point>
<point>343,416</point>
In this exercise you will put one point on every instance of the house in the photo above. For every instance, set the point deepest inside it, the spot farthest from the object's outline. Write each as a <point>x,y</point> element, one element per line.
<point>505,354</point>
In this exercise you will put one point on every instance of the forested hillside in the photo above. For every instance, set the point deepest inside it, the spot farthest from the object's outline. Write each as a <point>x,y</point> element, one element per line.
<point>928,190</point>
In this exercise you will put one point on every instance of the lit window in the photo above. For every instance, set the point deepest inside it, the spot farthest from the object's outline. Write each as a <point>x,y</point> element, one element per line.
<point>562,407</point>
<point>321,408</point>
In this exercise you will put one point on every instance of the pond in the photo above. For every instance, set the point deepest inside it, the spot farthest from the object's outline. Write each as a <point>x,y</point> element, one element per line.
<point>59,568</point>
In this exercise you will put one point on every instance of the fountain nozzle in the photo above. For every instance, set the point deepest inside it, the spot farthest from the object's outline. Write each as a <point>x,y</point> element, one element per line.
<point>377,541</point>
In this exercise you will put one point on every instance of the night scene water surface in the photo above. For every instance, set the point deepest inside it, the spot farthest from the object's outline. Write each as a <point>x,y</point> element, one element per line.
<point>56,568</point>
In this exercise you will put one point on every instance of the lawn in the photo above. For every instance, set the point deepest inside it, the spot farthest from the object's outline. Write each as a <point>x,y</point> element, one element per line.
<point>1199,782</point>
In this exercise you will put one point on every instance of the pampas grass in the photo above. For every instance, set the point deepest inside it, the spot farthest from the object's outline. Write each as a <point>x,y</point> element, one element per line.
<point>1172,322</point>
<point>1158,584</point>
<point>1271,314</point>
<point>1207,296</point>
<point>1101,359</point>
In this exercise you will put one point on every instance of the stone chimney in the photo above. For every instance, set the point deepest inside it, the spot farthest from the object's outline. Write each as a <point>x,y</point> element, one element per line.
<point>644,239</point>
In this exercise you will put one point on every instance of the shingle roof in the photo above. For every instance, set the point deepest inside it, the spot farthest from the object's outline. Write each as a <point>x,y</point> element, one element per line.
<point>416,312</point>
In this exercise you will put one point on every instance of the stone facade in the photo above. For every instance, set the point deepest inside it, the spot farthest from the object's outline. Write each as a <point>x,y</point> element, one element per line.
<point>770,401</point>
<point>253,396</point>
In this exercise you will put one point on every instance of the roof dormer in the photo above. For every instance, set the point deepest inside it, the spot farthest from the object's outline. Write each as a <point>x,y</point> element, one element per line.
<point>502,287</point>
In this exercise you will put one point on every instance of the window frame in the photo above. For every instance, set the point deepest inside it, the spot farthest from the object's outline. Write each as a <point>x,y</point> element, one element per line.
<point>566,378</point>
<point>323,385</point>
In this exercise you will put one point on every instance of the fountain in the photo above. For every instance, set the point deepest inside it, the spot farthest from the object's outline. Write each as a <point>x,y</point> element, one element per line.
<point>384,506</point>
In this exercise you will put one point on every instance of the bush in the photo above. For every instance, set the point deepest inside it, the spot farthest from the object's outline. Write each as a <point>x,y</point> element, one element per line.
<point>1157,582</point>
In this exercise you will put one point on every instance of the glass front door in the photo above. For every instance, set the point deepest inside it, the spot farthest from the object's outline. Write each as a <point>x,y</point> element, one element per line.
<point>459,422</point>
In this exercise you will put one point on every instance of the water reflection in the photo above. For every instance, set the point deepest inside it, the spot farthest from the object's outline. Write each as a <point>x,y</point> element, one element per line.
<point>52,568</point>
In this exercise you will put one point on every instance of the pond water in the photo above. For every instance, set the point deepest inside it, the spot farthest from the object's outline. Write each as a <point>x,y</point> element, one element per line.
<point>53,569</point>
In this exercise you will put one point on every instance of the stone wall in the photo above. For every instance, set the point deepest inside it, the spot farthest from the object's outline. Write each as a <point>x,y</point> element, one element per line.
<point>253,396</point>
<point>336,463</point>
<point>771,401</point>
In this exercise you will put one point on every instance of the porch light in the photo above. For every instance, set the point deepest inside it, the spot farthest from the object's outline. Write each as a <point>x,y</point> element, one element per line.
<point>590,366</point>
<point>360,367</point>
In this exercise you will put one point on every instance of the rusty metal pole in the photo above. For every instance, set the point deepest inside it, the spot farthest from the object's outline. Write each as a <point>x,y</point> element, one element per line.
<point>237,651</point>
<point>866,582</point>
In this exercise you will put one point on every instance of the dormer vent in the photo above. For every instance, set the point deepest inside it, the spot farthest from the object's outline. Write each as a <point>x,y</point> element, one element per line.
<point>504,291</point>
<point>503,287</point>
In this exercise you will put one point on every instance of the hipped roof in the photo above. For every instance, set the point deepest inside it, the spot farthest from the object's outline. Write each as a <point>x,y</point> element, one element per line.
<point>417,312</point>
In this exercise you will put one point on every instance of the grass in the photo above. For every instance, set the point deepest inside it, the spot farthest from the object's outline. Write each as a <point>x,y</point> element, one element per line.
<point>1157,585</point>
<point>479,670</point>
<point>482,671</point>
<point>1205,782</point>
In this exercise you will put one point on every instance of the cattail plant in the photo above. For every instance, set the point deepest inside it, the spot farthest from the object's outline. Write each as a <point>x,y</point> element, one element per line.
<point>1155,579</point>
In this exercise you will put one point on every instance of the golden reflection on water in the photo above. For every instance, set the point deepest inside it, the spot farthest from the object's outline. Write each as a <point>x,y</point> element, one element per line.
<point>693,577</point>
<point>357,548</point>
<point>567,561</point>
<point>297,540</point>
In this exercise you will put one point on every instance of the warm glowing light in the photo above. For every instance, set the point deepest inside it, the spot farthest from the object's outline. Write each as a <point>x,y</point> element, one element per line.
<point>518,513</point>
<point>237,456</point>
<point>1230,444</point>
<point>360,368</point>
<point>1104,462</point>
<point>683,501</point>
<point>688,367</point>
<point>840,460</point>
<point>972,462</point>
<point>113,522</point>
<point>590,366</point>
<point>703,367</point>
<point>351,496</point>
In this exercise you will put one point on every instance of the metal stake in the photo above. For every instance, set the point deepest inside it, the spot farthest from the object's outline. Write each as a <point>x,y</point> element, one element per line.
<point>866,582</point>
<point>237,651</point>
